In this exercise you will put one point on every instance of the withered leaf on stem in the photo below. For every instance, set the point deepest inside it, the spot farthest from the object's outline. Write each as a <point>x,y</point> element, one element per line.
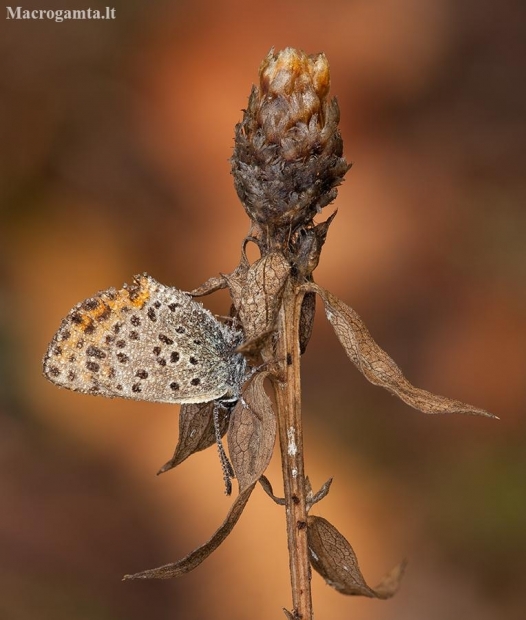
<point>252,433</point>
<point>213,284</point>
<point>334,559</point>
<point>314,498</point>
<point>257,294</point>
<point>196,431</point>
<point>308,311</point>
<point>311,497</point>
<point>267,487</point>
<point>377,366</point>
<point>307,246</point>
<point>193,559</point>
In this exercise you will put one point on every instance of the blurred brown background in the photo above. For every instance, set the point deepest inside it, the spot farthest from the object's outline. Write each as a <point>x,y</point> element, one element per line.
<point>114,149</point>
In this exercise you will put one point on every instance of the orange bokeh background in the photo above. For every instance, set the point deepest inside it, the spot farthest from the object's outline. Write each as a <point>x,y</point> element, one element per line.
<point>114,161</point>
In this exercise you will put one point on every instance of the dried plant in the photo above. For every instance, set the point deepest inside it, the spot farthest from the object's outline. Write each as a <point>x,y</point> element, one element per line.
<point>287,163</point>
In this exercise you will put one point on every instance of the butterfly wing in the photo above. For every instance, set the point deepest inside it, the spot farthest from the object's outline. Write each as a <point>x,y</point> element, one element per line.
<point>146,342</point>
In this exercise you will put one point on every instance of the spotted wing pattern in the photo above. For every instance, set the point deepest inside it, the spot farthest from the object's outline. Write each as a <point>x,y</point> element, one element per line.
<point>147,342</point>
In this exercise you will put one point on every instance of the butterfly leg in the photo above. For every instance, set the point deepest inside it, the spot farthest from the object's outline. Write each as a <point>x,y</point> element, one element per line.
<point>226,466</point>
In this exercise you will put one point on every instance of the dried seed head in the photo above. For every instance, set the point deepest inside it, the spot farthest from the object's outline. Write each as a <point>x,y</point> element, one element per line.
<point>287,158</point>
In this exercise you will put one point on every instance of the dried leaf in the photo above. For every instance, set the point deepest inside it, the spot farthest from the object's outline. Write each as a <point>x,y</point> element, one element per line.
<point>391,582</point>
<point>308,311</point>
<point>377,366</point>
<point>212,285</point>
<point>257,293</point>
<point>252,433</point>
<point>307,248</point>
<point>237,280</point>
<point>267,487</point>
<point>334,559</point>
<point>252,348</point>
<point>196,431</point>
<point>307,245</point>
<point>217,283</point>
<point>314,498</point>
<point>193,559</point>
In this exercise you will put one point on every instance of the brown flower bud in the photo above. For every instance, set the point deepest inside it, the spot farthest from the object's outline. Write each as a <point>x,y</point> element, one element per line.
<point>287,159</point>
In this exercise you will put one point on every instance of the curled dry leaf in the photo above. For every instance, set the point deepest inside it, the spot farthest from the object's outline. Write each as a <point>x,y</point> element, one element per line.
<point>193,559</point>
<point>390,583</point>
<point>377,366</point>
<point>314,498</point>
<point>257,292</point>
<point>307,246</point>
<point>212,285</point>
<point>306,250</point>
<point>334,559</point>
<point>196,431</point>
<point>308,311</point>
<point>267,487</point>
<point>252,433</point>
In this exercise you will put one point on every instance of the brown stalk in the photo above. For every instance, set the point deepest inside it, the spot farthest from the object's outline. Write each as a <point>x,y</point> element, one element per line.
<point>288,402</point>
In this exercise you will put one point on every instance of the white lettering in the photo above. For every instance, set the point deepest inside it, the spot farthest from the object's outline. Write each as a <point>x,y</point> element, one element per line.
<point>59,15</point>
<point>13,14</point>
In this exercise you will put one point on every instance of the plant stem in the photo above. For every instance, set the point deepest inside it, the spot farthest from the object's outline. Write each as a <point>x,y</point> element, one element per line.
<point>288,400</point>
